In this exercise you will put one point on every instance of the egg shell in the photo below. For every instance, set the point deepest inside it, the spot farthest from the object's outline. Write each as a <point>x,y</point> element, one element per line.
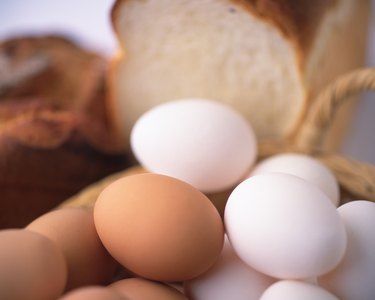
<point>31,266</point>
<point>353,278</point>
<point>159,227</point>
<point>218,199</point>
<point>143,289</point>
<point>296,290</point>
<point>73,230</point>
<point>304,166</point>
<point>284,226</point>
<point>229,278</point>
<point>205,143</point>
<point>93,293</point>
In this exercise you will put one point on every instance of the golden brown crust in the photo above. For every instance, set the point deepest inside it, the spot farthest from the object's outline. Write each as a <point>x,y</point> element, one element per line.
<point>55,136</point>
<point>52,67</point>
<point>297,20</point>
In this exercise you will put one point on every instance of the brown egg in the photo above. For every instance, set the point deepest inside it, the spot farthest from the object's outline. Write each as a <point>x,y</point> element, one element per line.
<point>93,293</point>
<point>31,266</point>
<point>73,230</point>
<point>143,289</point>
<point>159,227</point>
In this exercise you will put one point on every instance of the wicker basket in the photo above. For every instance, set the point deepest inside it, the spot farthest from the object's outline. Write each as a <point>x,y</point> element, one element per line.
<point>356,179</point>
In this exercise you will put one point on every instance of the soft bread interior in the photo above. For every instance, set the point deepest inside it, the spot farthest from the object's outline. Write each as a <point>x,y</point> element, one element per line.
<point>205,48</point>
<point>221,50</point>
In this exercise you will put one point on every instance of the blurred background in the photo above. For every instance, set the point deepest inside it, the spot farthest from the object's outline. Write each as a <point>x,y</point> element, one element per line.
<point>88,22</point>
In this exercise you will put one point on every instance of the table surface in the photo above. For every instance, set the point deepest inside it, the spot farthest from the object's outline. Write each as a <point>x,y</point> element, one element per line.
<point>88,22</point>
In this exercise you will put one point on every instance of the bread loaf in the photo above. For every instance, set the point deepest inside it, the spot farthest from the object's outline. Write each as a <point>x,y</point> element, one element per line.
<point>54,133</point>
<point>267,58</point>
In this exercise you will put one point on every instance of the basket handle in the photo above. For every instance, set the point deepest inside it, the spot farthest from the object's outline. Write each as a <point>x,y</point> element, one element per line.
<point>310,136</point>
<point>356,179</point>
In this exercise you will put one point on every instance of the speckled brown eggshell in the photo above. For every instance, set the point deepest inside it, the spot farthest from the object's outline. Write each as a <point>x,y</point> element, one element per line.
<point>159,227</point>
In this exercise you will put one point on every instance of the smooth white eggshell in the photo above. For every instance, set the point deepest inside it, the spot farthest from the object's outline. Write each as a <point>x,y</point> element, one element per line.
<point>296,290</point>
<point>229,278</point>
<point>303,166</point>
<point>354,277</point>
<point>202,142</point>
<point>284,226</point>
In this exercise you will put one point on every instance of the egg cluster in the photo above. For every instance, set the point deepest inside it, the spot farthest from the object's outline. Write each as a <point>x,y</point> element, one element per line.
<point>158,235</point>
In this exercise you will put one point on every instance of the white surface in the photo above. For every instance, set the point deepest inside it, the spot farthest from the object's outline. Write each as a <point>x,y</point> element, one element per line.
<point>289,229</point>
<point>354,277</point>
<point>212,153</point>
<point>304,167</point>
<point>228,278</point>
<point>88,22</point>
<point>296,290</point>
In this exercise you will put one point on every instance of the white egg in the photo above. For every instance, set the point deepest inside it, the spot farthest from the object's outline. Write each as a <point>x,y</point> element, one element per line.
<point>202,142</point>
<point>303,166</point>
<point>229,278</point>
<point>296,290</point>
<point>284,226</point>
<point>354,277</point>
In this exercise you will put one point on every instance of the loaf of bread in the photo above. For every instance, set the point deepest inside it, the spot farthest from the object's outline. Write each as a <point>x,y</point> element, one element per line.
<point>54,133</point>
<point>267,58</point>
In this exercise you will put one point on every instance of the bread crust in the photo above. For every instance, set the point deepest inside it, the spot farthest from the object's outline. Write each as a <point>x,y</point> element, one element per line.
<point>55,137</point>
<point>297,20</point>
